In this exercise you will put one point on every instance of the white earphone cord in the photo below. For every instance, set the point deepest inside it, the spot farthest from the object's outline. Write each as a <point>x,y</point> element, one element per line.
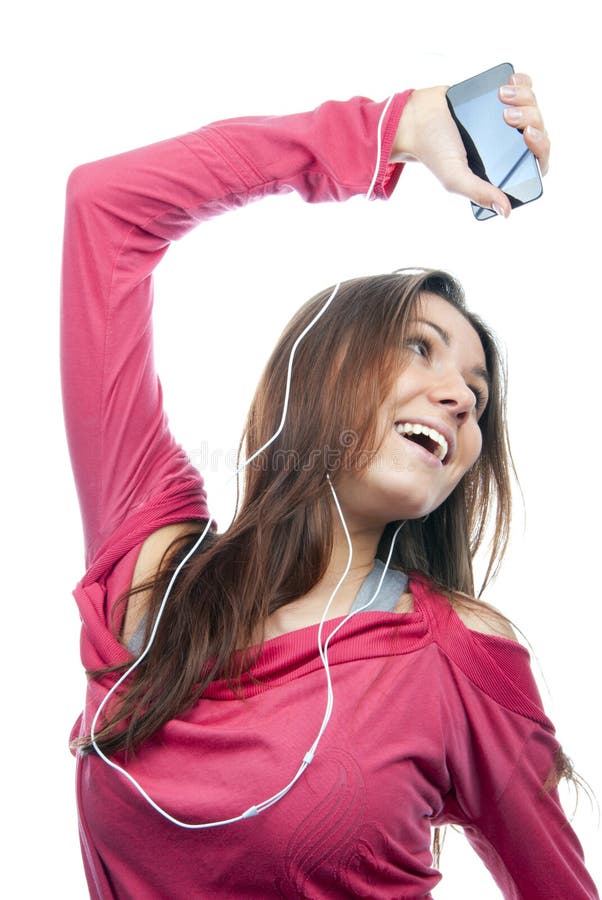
<point>322,647</point>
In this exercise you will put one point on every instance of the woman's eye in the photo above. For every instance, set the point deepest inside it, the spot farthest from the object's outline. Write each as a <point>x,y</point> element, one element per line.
<point>480,398</point>
<point>420,346</point>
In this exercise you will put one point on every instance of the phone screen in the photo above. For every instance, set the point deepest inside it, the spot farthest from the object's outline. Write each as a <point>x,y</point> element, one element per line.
<point>495,151</point>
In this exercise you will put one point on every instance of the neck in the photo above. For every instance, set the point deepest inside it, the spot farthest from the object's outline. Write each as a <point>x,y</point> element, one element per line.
<point>364,543</point>
<point>307,610</point>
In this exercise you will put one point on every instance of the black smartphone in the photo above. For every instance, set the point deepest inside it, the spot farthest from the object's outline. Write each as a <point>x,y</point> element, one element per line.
<point>495,150</point>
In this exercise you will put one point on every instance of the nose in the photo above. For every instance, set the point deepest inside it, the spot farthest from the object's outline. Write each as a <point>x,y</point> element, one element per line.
<point>452,392</point>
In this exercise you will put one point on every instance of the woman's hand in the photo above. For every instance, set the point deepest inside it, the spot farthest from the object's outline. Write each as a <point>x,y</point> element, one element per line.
<point>427,133</point>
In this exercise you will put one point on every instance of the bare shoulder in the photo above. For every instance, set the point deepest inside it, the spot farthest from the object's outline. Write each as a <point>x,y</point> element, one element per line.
<point>153,549</point>
<point>146,568</point>
<point>480,616</point>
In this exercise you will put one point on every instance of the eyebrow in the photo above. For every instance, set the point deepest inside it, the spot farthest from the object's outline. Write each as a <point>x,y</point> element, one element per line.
<point>445,337</point>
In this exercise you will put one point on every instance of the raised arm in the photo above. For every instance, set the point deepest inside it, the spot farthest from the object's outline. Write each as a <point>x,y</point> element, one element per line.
<point>122,213</point>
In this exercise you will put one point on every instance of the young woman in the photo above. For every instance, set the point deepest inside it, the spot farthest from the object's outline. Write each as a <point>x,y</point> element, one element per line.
<point>225,763</point>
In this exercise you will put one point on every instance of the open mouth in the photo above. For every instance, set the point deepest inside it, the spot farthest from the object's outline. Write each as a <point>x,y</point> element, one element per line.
<point>428,438</point>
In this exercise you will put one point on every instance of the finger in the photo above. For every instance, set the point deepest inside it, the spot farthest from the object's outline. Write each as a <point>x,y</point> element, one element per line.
<point>524,113</point>
<point>522,108</point>
<point>539,144</point>
<point>517,96</point>
<point>534,134</point>
<point>522,116</point>
<point>460,180</point>
<point>520,78</point>
<point>484,194</point>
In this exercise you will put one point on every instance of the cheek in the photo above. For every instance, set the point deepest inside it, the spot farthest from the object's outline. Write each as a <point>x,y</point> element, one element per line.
<point>478,445</point>
<point>472,449</point>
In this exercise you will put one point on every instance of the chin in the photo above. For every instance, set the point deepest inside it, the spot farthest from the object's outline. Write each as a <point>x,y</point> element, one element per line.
<point>379,505</point>
<point>414,510</point>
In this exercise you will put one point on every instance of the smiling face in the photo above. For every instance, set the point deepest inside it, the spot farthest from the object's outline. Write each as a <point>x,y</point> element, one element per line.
<point>444,387</point>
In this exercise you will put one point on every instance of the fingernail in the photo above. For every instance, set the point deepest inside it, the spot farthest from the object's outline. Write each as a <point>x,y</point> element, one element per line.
<point>507,92</point>
<point>498,209</point>
<point>513,115</point>
<point>534,133</point>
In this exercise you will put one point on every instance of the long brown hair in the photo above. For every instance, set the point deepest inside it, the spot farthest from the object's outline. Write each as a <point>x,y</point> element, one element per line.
<point>280,541</point>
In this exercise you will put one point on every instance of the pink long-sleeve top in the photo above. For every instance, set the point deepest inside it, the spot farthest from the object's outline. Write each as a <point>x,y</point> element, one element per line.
<point>433,723</point>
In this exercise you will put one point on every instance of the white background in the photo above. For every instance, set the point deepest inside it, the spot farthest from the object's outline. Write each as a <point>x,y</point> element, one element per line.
<point>83,80</point>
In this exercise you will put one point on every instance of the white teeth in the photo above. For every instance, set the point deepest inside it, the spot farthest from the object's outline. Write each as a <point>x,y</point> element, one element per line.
<point>440,450</point>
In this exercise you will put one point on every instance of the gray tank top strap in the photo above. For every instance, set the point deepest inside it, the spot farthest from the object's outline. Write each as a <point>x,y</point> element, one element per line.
<point>393,586</point>
<point>135,642</point>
